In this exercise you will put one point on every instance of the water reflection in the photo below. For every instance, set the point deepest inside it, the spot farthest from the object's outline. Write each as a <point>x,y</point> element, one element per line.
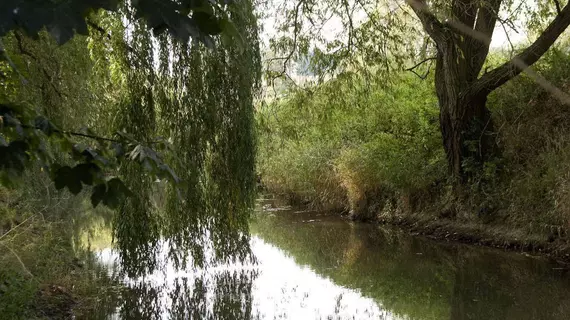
<point>274,288</point>
<point>417,278</point>
<point>316,266</point>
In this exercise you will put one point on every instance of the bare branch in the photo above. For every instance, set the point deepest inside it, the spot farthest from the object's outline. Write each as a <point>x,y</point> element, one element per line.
<point>465,11</point>
<point>420,63</point>
<point>413,69</point>
<point>295,37</point>
<point>508,37</point>
<point>350,24</point>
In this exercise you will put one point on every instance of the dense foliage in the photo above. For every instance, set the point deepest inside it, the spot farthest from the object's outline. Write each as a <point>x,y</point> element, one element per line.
<point>375,150</point>
<point>453,38</point>
<point>157,125</point>
<point>349,140</point>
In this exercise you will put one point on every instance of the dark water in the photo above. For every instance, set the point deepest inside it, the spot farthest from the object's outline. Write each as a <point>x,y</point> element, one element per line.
<point>317,266</point>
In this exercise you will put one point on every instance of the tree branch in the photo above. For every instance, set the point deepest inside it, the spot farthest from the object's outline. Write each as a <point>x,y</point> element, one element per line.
<point>420,63</point>
<point>432,25</point>
<point>24,51</point>
<point>465,11</point>
<point>485,26</point>
<point>487,17</point>
<point>98,28</point>
<point>413,69</point>
<point>295,35</point>
<point>558,8</point>
<point>76,134</point>
<point>499,76</point>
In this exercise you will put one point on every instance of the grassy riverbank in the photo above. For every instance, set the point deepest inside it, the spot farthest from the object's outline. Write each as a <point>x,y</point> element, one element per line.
<point>374,151</point>
<point>46,270</point>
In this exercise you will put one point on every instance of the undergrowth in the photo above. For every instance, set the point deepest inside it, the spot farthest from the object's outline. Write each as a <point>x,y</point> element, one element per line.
<point>46,272</point>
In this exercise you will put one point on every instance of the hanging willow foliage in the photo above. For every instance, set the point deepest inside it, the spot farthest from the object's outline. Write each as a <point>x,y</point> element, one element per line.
<point>170,98</point>
<point>201,101</point>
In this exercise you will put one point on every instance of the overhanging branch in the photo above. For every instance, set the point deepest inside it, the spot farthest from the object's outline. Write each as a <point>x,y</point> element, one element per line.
<point>499,76</point>
<point>558,7</point>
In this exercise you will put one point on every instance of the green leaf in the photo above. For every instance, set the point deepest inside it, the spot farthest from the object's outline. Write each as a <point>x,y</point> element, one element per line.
<point>74,185</point>
<point>65,177</point>
<point>98,194</point>
<point>61,177</point>
<point>118,186</point>
<point>116,193</point>
<point>43,124</point>
<point>208,23</point>
<point>85,172</point>
<point>119,149</point>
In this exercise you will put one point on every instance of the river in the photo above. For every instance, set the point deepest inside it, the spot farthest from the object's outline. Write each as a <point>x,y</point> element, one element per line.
<point>314,265</point>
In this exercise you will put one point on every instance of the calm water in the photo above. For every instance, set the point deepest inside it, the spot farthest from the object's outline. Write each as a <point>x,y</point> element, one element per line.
<point>317,266</point>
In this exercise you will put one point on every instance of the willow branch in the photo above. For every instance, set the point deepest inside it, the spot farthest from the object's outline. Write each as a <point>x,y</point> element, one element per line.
<point>420,63</point>
<point>558,8</point>
<point>295,36</point>
<point>413,69</point>
<point>24,51</point>
<point>76,134</point>
<point>19,260</point>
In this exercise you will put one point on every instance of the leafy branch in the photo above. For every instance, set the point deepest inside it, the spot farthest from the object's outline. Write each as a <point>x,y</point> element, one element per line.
<point>26,137</point>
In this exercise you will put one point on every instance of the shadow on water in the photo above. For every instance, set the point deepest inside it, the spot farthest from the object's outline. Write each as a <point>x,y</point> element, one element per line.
<point>316,266</point>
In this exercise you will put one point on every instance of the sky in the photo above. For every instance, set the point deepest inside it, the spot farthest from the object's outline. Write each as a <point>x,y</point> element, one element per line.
<point>500,39</point>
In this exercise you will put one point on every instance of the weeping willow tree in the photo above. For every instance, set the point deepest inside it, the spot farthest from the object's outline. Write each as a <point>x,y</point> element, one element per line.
<point>199,100</point>
<point>180,104</point>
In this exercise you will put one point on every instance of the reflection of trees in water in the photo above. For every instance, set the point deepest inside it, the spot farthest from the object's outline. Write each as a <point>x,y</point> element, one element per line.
<point>221,295</point>
<point>418,278</point>
<point>141,301</point>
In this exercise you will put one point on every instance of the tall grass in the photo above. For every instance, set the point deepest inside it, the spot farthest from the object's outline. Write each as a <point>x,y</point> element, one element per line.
<point>45,270</point>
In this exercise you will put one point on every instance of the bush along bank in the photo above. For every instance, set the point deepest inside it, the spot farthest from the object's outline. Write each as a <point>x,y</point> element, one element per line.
<point>374,151</point>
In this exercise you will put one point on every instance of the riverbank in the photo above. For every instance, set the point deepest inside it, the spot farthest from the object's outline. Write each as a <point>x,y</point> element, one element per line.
<point>516,240</point>
<point>43,275</point>
<point>376,152</point>
<point>47,268</point>
<point>424,224</point>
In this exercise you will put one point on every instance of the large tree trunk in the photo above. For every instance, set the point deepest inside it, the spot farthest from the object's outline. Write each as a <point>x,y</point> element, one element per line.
<point>462,47</point>
<point>467,133</point>
<point>465,121</point>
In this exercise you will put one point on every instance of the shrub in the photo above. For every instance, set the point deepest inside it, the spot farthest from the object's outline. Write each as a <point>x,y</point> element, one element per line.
<point>338,143</point>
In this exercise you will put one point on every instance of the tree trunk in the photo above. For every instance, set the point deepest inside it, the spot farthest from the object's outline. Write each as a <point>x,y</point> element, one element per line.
<point>462,47</point>
<point>465,121</point>
<point>467,133</point>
